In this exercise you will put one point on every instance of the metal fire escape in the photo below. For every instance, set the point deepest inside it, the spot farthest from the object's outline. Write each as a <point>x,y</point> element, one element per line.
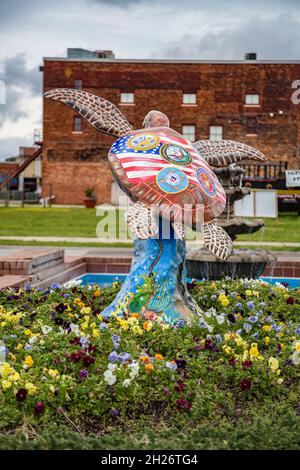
<point>36,152</point>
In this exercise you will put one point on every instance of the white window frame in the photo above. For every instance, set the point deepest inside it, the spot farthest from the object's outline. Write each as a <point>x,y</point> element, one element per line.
<point>252,99</point>
<point>127,97</point>
<point>215,133</point>
<point>189,132</point>
<point>189,99</point>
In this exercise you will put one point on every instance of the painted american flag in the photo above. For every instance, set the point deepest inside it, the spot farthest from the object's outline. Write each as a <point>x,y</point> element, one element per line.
<point>143,154</point>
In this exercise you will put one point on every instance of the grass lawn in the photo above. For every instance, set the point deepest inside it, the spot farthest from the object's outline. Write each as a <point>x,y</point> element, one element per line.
<point>60,222</point>
<point>79,222</point>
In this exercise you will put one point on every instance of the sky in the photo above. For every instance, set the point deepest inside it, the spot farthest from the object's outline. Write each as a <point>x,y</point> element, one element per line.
<point>162,29</point>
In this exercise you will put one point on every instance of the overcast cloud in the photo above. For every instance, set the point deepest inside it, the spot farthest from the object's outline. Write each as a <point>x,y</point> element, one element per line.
<point>193,29</point>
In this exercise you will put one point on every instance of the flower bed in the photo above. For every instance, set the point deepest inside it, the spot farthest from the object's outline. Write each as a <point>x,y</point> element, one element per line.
<point>63,363</point>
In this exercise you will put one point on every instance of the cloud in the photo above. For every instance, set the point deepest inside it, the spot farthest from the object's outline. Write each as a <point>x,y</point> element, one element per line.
<point>21,84</point>
<point>193,29</point>
<point>9,145</point>
<point>271,38</point>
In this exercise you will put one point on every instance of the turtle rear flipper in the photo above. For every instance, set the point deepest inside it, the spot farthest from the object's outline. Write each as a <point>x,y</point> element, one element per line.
<point>225,152</point>
<point>100,113</point>
<point>141,221</point>
<point>217,240</point>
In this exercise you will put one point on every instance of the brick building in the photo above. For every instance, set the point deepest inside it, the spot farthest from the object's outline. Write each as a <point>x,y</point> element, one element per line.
<point>248,101</point>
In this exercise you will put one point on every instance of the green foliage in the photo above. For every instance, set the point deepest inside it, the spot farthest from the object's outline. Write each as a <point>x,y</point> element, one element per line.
<point>89,193</point>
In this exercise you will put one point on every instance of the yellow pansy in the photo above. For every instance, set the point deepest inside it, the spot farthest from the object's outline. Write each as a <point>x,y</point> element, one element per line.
<point>123,324</point>
<point>86,310</point>
<point>248,292</point>
<point>223,300</point>
<point>15,377</point>
<point>137,330</point>
<point>239,341</point>
<point>228,350</point>
<point>267,328</point>
<point>53,373</point>
<point>28,362</point>
<point>19,347</point>
<point>31,388</point>
<point>267,340</point>
<point>12,357</point>
<point>6,370</point>
<point>6,384</point>
<point>245,355</point>
<point>297,346</point>
<point>95,332</point>
<point>253,350</point>
<point>273,363</point>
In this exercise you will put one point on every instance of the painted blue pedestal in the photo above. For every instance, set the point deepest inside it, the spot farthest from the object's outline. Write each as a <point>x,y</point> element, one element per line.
<point>166,295</point>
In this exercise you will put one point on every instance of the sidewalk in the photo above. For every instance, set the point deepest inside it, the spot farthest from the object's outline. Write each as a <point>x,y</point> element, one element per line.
<point>118,240</point>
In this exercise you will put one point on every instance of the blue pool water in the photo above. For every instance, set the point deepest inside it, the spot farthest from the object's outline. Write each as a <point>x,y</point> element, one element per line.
<point>107,279</point>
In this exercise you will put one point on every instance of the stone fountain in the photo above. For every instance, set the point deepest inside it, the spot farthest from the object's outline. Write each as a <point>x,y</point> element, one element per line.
<point>242,262</point>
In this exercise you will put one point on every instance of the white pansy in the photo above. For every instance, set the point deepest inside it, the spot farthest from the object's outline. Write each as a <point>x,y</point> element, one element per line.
<point>126,383</point>
<point>73,283</point>
<point>46,329</point>
<point>109,377</point>
<point>112,367</point>
<point>32,339</point>
<point>75,328</point>
<point>295,357</point>
<point>220,318</point>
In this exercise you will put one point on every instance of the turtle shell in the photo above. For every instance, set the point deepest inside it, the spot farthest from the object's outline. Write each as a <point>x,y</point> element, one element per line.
<point>159,166</point>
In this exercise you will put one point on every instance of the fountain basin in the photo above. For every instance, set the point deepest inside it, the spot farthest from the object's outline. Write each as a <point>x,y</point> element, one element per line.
<point>242,263</point>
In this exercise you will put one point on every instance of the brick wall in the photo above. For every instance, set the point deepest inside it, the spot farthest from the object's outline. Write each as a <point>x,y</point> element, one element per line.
<point>73,161</point>
<point>7,168</point>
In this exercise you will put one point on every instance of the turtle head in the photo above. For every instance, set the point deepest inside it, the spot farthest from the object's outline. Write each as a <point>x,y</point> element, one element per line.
<point>156,119</point>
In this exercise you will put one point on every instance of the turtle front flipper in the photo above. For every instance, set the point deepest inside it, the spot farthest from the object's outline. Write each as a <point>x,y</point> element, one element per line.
<point>100,113</point>
<point>141,221</point>
<point>217,240</point>
<point>225,152</point>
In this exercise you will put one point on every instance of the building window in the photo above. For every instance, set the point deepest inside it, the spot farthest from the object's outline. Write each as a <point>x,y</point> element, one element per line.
<point>252,98</point>
<point>215,132</point>
<point>127,98</point>
<point>189,132</point>
<point>78,84</point>
<point>77,124</point>
<point>251,126</point>
<point>189,98</point>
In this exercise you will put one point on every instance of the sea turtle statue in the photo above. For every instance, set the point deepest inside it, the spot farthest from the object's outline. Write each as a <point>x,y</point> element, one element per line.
<point>162,172</point>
